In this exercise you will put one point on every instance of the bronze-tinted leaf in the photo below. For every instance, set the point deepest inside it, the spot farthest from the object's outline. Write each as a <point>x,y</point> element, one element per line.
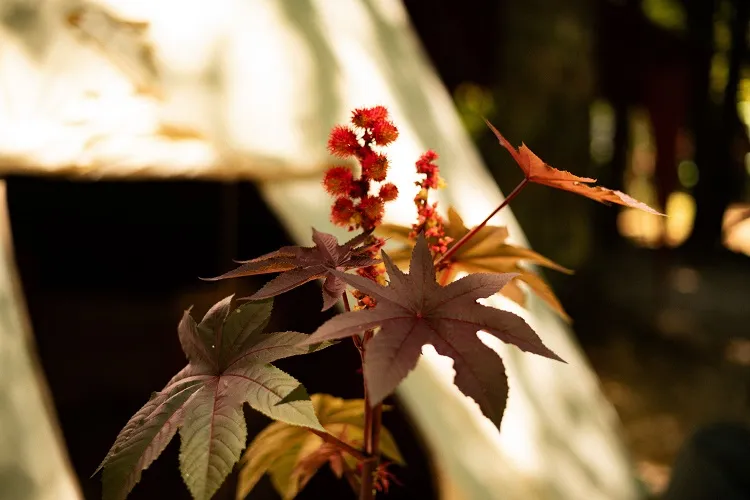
<point>487,251</point>
<point>539,172</point>
<point>414,310</point>
<point>298,265</point>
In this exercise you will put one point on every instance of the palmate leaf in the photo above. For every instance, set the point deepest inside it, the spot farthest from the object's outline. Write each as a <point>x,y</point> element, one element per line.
<point>292,455</point>
<point>414,310</point>
<point>228,365</point>
<point>298,265</point>
<point>539,172</point>
<point>486,251</point>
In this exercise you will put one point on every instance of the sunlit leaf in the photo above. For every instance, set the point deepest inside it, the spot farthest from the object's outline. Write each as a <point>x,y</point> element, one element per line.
<point>292,455</point>
<point>539,172</point>
<point>486,251</point>
<point>414,310</point>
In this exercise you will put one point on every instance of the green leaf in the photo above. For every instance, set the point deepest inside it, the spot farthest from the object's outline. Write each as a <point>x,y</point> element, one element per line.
<point>144,437</point>
<point>213,436</point>
<point>204,400</point>
<point>248,319</point>
<point>264,386</point>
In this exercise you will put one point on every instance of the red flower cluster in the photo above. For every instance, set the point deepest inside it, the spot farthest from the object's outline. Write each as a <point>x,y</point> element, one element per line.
<point>429,220</point>
<point>426,166</point>
<point>354,207</point>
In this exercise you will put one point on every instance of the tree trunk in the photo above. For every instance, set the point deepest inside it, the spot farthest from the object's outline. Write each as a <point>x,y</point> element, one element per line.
<point>714,125</point>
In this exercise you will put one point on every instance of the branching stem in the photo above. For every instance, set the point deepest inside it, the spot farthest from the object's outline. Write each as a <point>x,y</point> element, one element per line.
<point>454,248</point>
<point>330,438</point>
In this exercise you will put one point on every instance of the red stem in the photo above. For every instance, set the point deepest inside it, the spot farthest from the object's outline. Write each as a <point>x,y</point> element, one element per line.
<point>453,249</point>
<point>351,476</point>
<point>377,414</point>
<point>372,429</point>
<point>329,438</point>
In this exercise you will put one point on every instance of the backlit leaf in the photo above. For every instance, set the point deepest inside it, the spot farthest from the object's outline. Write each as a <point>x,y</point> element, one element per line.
<point>292,455</point>
<point>539,172</point>
<point>414,310</point>
<point>487,251</point>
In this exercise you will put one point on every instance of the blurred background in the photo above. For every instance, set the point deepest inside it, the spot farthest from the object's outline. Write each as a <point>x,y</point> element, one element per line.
<point>651,97</point>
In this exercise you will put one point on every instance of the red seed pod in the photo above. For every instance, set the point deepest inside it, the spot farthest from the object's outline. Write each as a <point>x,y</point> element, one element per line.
<point>343,142</point>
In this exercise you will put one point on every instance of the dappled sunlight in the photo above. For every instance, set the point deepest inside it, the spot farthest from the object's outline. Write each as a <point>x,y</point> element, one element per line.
<point>651,231</point>
<point>77,113</point>
<point>736,226</point>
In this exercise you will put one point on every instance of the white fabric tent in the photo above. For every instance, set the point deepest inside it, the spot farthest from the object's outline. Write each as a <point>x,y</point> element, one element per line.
<point>248,89</point>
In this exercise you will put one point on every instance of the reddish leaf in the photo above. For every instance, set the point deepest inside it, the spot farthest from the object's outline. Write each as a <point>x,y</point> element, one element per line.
<point>298,265</point>
<point>414,310</point>
<point>228,365</point>
<point>539,172</point>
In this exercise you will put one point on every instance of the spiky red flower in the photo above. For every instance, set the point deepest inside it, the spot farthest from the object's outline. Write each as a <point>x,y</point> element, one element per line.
<point>429,220</point>
<point>338,180</point>
<point>371,209</point>
<point>343,142</point>
<point>384,133</point>
<point>369,117</point>
<point>425,162</point>
<point>388,192</point>
<point>361,210</point>
<point>343,211</point>
<point>374,166</point>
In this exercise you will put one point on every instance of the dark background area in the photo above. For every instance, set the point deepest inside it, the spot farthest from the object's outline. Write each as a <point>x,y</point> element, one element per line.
<point>106,288</point>
<point>109,267</point>
<point>584,83</point>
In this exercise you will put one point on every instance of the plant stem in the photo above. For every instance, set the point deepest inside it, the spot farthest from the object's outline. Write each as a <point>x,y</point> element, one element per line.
<point>377,414</point>
<point>453,249</point>
<point>367,491</point>
<point>351,477</point>
<point>372,430</point>
<point>368,409</point>
<point>329,438</point>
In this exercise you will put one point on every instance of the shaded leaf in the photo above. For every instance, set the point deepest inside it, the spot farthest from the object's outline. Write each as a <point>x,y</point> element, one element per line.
<point>292,455</point>
<point>298,265</point>
<point>414,310</point>
<point>486,251</point>
<point>539,172</point>
<point>228,365</point>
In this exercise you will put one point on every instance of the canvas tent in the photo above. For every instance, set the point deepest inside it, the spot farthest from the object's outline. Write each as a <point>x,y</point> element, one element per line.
<point>248,89</point>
